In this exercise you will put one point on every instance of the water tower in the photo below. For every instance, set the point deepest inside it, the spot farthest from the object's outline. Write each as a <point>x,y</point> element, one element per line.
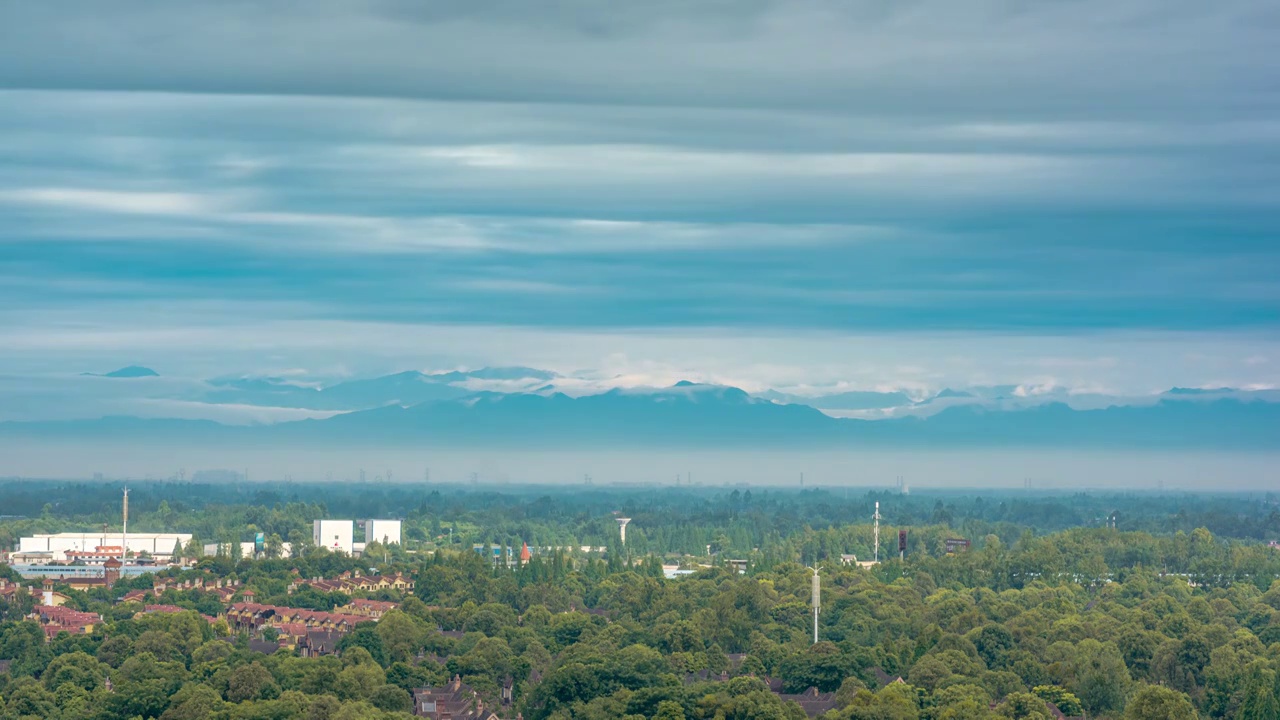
<point>622,528</point>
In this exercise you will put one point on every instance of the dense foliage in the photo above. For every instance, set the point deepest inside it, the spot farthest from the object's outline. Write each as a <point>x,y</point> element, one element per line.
<point>1156,618</point>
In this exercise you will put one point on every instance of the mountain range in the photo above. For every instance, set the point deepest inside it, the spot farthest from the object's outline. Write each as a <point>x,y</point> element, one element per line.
<point>420,409</point>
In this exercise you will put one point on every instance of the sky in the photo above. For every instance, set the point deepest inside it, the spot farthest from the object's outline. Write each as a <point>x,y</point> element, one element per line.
<point>764,193</point>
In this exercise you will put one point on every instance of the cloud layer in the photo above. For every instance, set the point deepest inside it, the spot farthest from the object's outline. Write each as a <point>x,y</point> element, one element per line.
<point>257,185</point>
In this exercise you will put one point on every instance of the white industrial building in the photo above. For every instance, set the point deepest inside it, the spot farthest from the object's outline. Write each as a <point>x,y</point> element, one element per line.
<point>247,550</point>
<point>386,532</point>
<point>86,544</point>
<point>334,534</point>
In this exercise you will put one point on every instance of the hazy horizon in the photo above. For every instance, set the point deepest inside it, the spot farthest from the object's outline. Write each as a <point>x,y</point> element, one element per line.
<point>1047,469</point>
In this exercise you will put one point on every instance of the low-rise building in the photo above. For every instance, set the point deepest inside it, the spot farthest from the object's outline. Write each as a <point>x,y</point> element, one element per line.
<point>224,589</point>
<point>252,617</point>
<point>372,609</point>
<point>9,591</point>
<point>55,619</point>
<point>349,582</point>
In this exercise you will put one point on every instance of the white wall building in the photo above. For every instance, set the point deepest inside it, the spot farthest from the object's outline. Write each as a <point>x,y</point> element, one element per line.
<point>157,545</point>
<point>386,532</point>
<point>333,534</point>
<point>246,550</point>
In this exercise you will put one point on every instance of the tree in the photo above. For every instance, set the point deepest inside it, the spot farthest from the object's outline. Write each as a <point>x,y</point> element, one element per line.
<point>1101,678</point>
<point>273,546</point>
<point>358,682</point>
<point>1024,706</point>
<point>823,666</point>
<point>1152,702</point>
<point>193,702</point>
<point>115,650</point>
<point>896,701</point>
<point>159,643</point>
<point>669,710</point>
<point>194,550</point>
<point>365,636</point>
<point>30,699</point>
<point>77,668</point>
<point>1260,696</point>
<point>251,682</point>
<point>391,699</point>
<point>1066,702</point>
<point>402,635</point>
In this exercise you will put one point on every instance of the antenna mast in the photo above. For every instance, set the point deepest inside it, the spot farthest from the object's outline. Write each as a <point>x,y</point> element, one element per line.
<point>817,602</point>
<point>877,532</point>
<point>124,533</point>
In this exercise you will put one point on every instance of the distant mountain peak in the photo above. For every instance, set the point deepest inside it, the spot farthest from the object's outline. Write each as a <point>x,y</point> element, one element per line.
<point>1199,391</point>
<point>132,371</point>
<point>494,373</point>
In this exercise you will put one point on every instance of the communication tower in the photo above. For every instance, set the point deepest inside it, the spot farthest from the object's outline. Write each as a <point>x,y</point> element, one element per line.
<point>817,602</point>
<point>622,529</point>
<point>124,533</point>
<point>876,517</point>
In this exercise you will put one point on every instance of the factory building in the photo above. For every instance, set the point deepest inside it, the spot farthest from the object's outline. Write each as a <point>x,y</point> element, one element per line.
<point>95,547</point>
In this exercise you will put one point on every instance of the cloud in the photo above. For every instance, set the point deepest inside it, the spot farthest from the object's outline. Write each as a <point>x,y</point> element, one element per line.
<point>226,413</point>
<point>110,201</point>
<point>1136,56</point>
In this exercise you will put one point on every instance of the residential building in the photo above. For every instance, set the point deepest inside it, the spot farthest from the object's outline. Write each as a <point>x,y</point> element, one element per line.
<point>224,589</point>
<point>352,582</point>
<point>252,616</point>
<point>812,702</point>
<point>51,597</point>
<point>9,591</point>
<point>55,619</point>
<point>454,701</point>
<point>372,609</point>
